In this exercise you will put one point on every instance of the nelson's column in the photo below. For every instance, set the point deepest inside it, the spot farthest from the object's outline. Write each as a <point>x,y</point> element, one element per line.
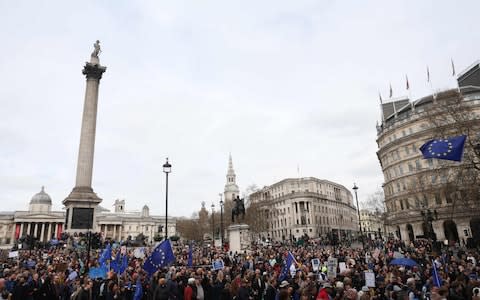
<point>82,202</point>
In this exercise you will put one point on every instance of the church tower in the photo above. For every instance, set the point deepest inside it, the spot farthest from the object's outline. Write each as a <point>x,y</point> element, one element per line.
<point>231,188</point>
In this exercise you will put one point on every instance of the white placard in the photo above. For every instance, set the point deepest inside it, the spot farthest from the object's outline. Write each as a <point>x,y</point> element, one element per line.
<point>332,267</point>
<point>369,279</point>
<point>13,254</point>
<point>315,264</point>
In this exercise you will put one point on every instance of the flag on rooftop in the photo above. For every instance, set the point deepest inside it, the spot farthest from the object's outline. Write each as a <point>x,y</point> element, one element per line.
<point>453,68</point>
<point>408,84</point>
<point>391,91</point>
<point>428,74</point>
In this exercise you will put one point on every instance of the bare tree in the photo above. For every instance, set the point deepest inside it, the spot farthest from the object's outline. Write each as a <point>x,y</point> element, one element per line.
<point>375,201</point>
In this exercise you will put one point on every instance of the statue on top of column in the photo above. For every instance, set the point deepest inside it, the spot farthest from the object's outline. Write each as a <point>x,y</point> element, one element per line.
<point>96,49</point>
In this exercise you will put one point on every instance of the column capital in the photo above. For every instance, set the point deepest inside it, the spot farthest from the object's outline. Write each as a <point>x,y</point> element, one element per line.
<point>93,71</point>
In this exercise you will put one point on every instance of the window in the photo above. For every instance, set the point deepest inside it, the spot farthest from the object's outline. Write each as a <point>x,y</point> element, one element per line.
<point>407,150</point>
<point>430,162</point>
<point>417,164</point>
<point>410,167</point>
<point>404,133</point>
<point>438,199</point>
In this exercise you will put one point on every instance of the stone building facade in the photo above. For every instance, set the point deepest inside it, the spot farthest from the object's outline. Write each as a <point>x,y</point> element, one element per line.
<point>44,224</point>
<point>372,224</point>
<point>421,193</point>
<point>293,207</point>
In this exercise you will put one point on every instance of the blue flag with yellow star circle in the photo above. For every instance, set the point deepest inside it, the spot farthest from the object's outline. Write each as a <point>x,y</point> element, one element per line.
<point>448,148</point>
<point>160,257</point>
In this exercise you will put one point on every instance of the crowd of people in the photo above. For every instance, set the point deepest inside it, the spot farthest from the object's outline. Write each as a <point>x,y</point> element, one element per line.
<point>259,273</point>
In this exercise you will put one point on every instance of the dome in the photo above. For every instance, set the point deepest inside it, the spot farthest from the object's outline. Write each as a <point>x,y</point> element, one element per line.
<point>41,198</point>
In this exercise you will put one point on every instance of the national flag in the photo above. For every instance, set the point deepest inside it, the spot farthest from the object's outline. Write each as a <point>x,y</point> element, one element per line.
<point>161,257</point>
<point>106,255</point>
<point>448,148</point>
<point>120,264</point>
<point>428,74</point>
<point>138,290</point>
<point>408,84</point>
<point>453,68</point>
<point>287,267</point>
<point>190,255</point>
<point>437,280</point>
<point>380,96</point>
<point>391,91</point>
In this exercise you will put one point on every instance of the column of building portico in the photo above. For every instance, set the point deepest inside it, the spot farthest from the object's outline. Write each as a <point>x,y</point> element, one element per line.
<point>49,233</point>
<point>21,229</point>
<point>55,230</point>
<point>42,232</point>
<point>28,228</point>
<point>114,232</point>
<point>104,230</point>
<point>35,230</point>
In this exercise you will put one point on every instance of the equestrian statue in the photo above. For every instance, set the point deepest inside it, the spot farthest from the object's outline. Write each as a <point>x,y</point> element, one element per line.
<point>238,209</point>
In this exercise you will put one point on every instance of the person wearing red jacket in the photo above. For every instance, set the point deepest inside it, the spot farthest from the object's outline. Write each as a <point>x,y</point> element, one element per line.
<point>190,292</point>
<point>326,292</point>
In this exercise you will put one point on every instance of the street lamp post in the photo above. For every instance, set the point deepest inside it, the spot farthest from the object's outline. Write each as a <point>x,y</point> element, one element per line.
<point>213,224</point>
<point>355,188</point>
<point>428,218</point>
<point>221,218</point>
<point>167,168</point>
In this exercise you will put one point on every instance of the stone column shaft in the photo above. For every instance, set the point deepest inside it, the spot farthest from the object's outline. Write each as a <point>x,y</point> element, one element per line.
<point>21,229</point>
<point>29,227</point>
<point>49,234</point>
<point>114,232</point>
<point>55,230</point>
<point>35,230</point>
<point>42,232</point>
<point>87,136</point>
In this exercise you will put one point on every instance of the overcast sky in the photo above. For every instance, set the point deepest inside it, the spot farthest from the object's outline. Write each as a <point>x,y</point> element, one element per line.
<point>276,83</point>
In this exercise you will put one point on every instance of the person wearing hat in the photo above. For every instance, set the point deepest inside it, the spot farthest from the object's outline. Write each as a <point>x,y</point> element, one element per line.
<point>326,293</point>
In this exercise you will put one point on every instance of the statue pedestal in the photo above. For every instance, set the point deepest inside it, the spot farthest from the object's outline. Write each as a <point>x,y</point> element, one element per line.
<point>238,237</point>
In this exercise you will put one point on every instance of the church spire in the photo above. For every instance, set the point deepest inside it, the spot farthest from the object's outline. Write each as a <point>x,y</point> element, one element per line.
<point>230,166</point>
<point>231,187</point>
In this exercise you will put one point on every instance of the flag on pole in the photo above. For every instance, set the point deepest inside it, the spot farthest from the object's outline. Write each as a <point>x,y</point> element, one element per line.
<point>106,255</point>
<point>453,68</point>
<point>190,255</point>
<point>428,74</point>
<point>408,84</point>
<point>161,257</point>
<point>437,281</point>
<point>380,96</point>
<point>391,91</point>
<point>138,290</point>
<point>288,267</point>
<point>448,148</point>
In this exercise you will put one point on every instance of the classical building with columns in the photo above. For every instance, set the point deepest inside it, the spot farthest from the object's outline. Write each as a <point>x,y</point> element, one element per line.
<point>432,198</point>
<point>44,224</point>
<point>294,207</point>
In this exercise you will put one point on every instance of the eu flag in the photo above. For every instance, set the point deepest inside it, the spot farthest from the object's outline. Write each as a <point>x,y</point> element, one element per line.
<point>106,255</point>
<point>437,280</point>
<point>138,291</point>
<point>288,267</point>
<point>161,257</point>
<point>120,264</point>
<point>449,148</point>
